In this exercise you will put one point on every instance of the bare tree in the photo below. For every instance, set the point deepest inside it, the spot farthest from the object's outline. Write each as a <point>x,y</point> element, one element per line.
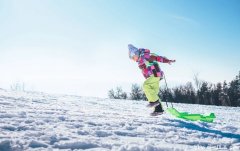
<point>18,86</point>
<point>118,94</point>
<point>136,93</point>
<point>197,81</point>
<point>111,94</point>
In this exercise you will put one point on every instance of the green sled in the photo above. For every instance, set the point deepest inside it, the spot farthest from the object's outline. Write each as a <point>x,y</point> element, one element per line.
<point>192,117</point>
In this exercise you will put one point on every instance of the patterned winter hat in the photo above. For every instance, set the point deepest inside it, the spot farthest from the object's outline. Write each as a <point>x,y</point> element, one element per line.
<point>132,50</point>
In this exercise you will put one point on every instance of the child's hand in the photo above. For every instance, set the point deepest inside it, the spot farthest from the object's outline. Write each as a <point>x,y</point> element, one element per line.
<point>171,61</point>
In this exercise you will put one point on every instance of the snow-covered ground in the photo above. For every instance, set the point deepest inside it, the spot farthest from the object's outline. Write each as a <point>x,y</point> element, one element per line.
<point>37,121</point>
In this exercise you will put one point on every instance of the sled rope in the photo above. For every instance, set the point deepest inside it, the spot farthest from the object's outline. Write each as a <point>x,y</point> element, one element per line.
<point>167,89</point>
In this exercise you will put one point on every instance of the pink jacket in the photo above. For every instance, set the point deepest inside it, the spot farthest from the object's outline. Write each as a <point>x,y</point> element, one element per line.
<point>148,63</point>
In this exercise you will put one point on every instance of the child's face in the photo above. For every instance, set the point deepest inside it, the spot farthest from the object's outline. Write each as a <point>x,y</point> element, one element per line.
<point>135,58</point>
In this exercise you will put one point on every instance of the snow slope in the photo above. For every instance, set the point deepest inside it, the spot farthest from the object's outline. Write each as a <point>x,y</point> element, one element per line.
<point>37,121</point>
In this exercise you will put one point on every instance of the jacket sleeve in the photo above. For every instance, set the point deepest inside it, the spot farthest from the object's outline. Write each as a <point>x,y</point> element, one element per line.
<point>154,57</point>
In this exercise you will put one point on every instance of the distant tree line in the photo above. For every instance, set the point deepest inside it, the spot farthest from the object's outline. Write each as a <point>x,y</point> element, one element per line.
<point>220,94</point>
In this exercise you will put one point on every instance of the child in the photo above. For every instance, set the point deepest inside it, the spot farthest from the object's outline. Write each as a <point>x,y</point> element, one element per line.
<point>148,63</point>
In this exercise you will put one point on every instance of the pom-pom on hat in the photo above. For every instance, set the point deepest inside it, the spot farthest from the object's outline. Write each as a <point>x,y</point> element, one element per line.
<point>132,51</point>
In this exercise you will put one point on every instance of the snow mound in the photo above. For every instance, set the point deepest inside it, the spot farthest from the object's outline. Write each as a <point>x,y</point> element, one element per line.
<point>37,121</point>
<point>37,144</point>
<point>75,145</point>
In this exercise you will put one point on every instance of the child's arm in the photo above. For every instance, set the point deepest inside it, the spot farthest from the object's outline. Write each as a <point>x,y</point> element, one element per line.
<point>162,59</point>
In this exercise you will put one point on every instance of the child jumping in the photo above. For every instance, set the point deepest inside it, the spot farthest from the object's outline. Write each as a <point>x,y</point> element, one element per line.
<point>148,63</point>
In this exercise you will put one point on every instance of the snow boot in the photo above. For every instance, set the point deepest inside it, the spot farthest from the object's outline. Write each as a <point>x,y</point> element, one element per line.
<point>158,110</point>
<point>153,104</point>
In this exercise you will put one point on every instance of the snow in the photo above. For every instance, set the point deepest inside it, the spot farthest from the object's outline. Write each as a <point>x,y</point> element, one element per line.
<point>37,122</point>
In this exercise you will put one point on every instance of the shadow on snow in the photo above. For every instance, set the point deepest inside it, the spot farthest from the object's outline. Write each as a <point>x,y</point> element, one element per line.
<point>192,126</point>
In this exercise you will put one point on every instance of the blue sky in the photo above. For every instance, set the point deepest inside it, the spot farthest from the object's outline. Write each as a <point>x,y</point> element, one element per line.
<point>80,46</point>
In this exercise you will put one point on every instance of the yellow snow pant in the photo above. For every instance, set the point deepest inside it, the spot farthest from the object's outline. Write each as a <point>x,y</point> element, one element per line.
<point>151,88</point>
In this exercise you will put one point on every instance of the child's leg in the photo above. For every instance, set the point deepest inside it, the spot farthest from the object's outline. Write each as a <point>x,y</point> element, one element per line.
<point>158,108</point>
<point>151,88</point>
